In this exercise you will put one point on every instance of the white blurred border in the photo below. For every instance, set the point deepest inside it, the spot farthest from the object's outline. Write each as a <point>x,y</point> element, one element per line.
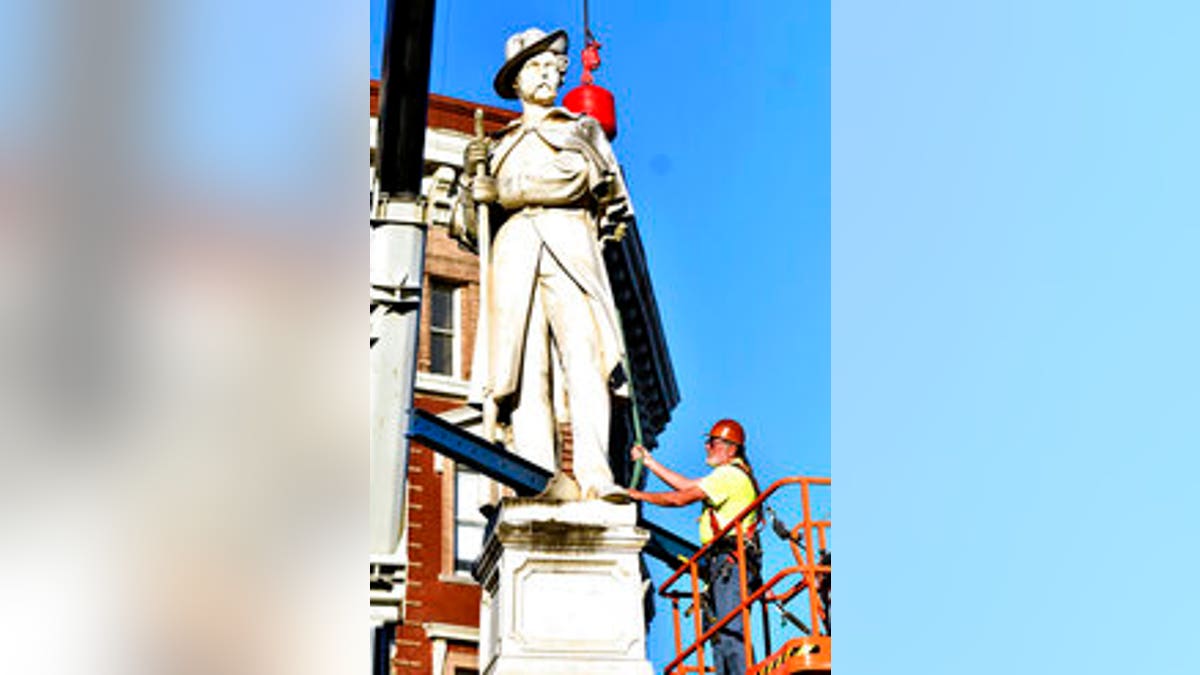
<point>183,397</point>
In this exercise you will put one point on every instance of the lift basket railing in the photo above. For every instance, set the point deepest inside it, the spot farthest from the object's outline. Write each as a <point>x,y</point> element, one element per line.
<point>806,576</point>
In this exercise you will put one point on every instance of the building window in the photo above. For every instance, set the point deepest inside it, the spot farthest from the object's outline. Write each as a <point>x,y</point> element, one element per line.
<point>470,490</point>
<point>443,329</point>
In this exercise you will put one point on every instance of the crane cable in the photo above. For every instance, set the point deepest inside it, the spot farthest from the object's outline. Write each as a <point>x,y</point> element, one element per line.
<point>633,405</point>
<point>588,38</point>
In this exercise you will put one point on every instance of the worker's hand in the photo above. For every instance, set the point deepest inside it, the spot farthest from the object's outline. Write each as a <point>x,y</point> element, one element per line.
<point>637,452</point>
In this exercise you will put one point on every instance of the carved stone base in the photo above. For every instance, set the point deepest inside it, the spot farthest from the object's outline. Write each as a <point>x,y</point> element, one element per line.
<point>563,590</point>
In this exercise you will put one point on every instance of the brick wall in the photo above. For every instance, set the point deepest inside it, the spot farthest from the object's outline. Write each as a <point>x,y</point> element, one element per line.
<point>431,598</point>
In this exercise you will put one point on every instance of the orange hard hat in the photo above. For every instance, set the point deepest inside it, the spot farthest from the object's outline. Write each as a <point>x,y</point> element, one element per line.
<point>729,430</point>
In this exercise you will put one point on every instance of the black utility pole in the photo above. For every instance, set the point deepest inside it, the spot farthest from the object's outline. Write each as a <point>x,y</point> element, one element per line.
<point>404,97</point>
<point>397,270</point>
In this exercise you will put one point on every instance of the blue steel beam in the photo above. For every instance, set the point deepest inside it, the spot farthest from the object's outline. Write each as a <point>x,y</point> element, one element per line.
<point>523,476</point>
<point>668,547</point>
<point>490,459</point>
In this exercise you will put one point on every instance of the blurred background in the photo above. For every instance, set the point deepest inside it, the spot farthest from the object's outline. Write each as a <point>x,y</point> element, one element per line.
<point>183,383</point>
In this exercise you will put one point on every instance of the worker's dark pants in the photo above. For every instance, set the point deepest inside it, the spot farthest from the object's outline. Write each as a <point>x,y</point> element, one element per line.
<point>729,651</point>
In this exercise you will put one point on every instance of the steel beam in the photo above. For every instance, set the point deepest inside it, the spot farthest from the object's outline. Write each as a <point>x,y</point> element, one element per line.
<point>490,459</point>
<point>523,476</point>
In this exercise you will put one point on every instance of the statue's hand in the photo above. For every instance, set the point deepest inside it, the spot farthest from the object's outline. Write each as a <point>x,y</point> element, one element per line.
<point>483,189</point>
<point>476,156</point>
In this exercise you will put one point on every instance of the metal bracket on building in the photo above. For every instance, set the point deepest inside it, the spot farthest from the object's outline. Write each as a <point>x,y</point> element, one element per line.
<point>523,476</point>
<point>385,301</point>
<point>397,245</point>
<point>395,299</point>
<point>387,588</point>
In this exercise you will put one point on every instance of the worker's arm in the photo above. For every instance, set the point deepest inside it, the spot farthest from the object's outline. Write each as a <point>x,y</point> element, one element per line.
<point>675,480</point>
<point>676,498</point>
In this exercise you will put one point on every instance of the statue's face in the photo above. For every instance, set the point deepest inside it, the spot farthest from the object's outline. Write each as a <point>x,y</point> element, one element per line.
<point>539,79</point>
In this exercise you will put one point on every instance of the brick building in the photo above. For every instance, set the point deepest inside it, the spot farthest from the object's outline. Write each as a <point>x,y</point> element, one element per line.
<point>438,633</point>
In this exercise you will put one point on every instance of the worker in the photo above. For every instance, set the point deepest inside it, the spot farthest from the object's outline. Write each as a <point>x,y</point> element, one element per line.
<point>726,491</point>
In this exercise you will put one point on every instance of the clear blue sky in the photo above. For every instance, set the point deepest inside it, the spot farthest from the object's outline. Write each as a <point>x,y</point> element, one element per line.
<point>724,136</point>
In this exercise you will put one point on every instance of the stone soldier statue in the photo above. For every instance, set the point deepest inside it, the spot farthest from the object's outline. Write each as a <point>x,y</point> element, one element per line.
<point>556,191</point>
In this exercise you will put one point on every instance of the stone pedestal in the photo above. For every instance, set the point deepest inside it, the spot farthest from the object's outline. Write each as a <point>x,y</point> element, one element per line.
<point>562,590</point>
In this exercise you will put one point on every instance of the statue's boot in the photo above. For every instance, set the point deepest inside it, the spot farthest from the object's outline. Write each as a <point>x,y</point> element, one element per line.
<point>562,487</point>
<point>611,493</point>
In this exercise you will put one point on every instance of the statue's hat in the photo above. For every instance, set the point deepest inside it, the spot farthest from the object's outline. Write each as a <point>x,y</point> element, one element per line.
<point>522,47</point>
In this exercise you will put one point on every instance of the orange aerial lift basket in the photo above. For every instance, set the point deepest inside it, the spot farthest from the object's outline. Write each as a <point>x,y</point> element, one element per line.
<point>799,588</point>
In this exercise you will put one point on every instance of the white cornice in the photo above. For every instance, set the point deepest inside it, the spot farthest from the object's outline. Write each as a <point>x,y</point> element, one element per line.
<point>442,385</point>
<point>442,146</point>
<point>450,631</point>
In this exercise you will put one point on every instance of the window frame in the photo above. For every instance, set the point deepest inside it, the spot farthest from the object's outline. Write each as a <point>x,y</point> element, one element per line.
<point>474,520</point>
<point>455,331</point>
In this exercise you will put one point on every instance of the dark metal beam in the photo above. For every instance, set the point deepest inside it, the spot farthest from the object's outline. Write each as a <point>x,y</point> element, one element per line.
<point>490,459</point>
<point>404,97</point>
<point>523,476</point>
<point>668,547</point>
